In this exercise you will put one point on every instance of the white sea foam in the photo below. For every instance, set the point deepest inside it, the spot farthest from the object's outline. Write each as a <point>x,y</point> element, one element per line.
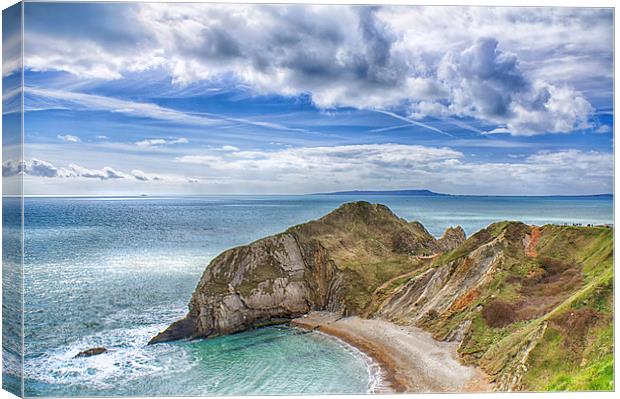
<point>164,314</point>
<point>128,358</point>
<point>377,382</point>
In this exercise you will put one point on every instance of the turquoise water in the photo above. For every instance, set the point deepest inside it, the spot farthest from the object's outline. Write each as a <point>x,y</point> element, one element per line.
<point>114,271</point>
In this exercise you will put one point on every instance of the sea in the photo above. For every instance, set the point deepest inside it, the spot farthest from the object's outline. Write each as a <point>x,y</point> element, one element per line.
<point>114,271</point>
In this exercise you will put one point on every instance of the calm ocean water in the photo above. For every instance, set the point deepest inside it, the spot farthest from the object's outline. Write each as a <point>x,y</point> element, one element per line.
<point>114,271</point>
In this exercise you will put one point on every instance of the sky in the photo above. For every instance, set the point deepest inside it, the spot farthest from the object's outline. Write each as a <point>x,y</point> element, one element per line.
<point>155,98</point>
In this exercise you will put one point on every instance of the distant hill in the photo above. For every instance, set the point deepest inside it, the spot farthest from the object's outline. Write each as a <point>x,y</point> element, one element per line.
<point>429,193</point>
<point>594,195</point>
<point>426,193</point>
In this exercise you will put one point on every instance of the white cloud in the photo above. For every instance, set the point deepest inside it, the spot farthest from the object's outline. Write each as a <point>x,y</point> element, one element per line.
<point>552,109</point>
<point>434,59</point>
<point>228,148</point>
<point>105,173</point>
<point>11,42</point>
<point>603,129</point>
<point>11,97</point>
<point>161,142</point>
<point>544,173</point>
<point>498,130</point>
<point>11,168</point>
<point>39,99</point>
<point>140,175</point>
<point>487,83</point>
<point>43,98</point>
<point>413,122</point>
<point>318,160</point>
<point>199,159</point>
<point>102,137</point>
<point>68,138</point>
<point>385,166</point>
<point>33,167</point>
<point>367,166</point>
<point>44,169</point>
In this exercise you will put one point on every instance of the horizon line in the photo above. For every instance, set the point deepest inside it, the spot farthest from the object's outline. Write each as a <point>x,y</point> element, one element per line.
<point>331,194</point>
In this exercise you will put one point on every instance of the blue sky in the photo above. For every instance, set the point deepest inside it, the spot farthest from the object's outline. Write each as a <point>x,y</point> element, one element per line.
<point>223,99</point>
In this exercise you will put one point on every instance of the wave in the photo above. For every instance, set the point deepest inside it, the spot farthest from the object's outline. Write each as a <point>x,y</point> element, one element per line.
<point>377,381</point>
<point>128,356</point>
<point>132,367</point>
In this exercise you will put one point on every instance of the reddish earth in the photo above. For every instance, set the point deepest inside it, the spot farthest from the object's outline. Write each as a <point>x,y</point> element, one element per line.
<point>464,301</point>
<point>531,246</point>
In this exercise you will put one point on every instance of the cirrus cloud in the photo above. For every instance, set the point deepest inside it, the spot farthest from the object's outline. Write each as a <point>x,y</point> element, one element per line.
<point>161,142</point>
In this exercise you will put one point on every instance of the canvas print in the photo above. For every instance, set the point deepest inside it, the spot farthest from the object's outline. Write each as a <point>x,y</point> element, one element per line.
<point>253,199</point>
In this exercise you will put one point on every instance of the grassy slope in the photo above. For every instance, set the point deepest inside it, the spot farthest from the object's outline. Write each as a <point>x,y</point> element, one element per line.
<point>369,245</point>
<point>559,298</point>
<point>576,351</point>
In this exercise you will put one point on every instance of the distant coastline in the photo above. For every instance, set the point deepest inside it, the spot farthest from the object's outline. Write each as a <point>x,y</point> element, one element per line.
<point>425,193</point>
<point>404,193</point>
<point>429,193</point>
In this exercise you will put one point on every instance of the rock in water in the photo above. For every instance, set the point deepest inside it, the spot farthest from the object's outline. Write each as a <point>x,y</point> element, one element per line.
<point>91,352</point>
<point>314,266</point>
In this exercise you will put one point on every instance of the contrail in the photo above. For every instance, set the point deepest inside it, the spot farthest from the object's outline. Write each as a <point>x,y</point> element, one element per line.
<point>413,122</point>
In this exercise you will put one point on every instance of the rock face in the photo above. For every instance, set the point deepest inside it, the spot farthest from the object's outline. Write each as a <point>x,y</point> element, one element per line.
<point>439,288</point>
<point>451,238</point>
<point>276,278</point>
<point>91,352</point>
<point>309,267</point>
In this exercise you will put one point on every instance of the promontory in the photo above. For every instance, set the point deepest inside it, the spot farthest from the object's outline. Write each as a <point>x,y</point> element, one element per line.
<point>530,307</point>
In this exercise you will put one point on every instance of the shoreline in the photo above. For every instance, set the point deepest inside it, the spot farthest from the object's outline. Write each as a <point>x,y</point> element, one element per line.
<point>411,360</point>
<point>380,382</point>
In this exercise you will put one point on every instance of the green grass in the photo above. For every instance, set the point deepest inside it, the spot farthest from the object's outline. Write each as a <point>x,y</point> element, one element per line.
<point>565,361</point>
<point>599,376</point>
